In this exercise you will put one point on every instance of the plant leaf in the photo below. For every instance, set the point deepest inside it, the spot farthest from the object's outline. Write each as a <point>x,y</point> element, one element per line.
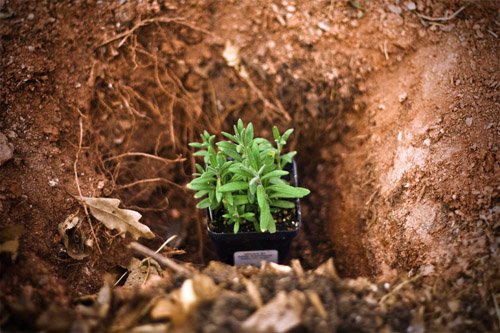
<point>218,193</point>
<point>234,186</point>
<point>287,191</point>
<point>282,204</point>
<point>287,134</point>
<point>124,220</point>
<point>205,203</point>
<point>265,216</point>
<point>240,200</point>
<point>275,173</point>
<point>276,133</point>
<point>261,195</point>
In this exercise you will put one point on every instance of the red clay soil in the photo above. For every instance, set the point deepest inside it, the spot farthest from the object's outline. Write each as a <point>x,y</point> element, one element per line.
<point>395,110</point>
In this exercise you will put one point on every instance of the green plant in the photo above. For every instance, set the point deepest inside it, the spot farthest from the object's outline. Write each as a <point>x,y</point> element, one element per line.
<point>243,176</point>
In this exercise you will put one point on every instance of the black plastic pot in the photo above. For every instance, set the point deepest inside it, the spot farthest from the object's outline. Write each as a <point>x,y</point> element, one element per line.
<point>250,248</point>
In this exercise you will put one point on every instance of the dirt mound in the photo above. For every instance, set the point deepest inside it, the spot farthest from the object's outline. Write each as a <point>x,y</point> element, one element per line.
<point>394,107</point>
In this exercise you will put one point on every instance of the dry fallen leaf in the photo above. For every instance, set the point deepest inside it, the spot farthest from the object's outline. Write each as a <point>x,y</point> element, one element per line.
<point>9,239</point>
<point>106,211</point>
<point>280,315</point>
<point>77,245</point>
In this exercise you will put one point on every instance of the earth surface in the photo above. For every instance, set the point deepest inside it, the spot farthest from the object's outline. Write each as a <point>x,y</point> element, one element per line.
<point>395,106</point>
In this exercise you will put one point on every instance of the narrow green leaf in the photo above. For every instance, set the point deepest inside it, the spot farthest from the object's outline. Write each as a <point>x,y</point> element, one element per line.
<point>288,156</point>
<point>240,199</point>
<point>200,153</point>
<point>261,196</point>
<point>234,186</point>
<point>205,203</point>
<point>249,133</point>
<point>218,193</point>
<point>265,216</point>
<point>200,187</point>
<point>276,133</point>
<point>287,134</point>
<point>229,198</point>
<point>236,227</point>
<point>200,194</point>
<point>272,226</point>
<point>199,168</point>
<point>287,191</point>
<point>196,145</point>
<point>282,204</point>
<point>275,173</point>
<point>230,137</point>
<point>202,180</point>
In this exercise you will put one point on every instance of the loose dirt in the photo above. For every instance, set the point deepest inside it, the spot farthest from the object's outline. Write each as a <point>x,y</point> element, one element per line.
<point>395,110</point>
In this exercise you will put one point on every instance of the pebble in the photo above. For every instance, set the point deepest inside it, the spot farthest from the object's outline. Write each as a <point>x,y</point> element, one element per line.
<point>53,182</point>
<point>402,97</point>
<point>411,6</point>
<point>6,149</point>
<point>468,121</point>
<point>31,16</point>
<point>395,9</point>
<point>427,142</point>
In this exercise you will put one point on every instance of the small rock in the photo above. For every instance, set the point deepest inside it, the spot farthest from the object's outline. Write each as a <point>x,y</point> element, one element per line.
<point>468,121</point>
<point>402,97</point>
<point>411,6</point>
<point>427,142</point>
<point>395,9</point>
<point>324,26</point>
<point>30,17</point>
<point>53,182</point>
<point>100,184</point>
<point>6,149</point>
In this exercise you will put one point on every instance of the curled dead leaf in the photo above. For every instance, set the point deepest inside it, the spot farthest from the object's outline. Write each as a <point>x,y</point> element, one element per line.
<point>124,220</point>
<point>76,243</point>
<point>9,239</point>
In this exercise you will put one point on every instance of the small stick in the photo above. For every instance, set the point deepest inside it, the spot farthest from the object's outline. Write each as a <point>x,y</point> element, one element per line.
<point>443,18</point>
<point>150,180</point>
<point>398,288</point>
<point>154,157</point>
<point>162,260</point>
<point>178,20</point>
<point>78,182</point>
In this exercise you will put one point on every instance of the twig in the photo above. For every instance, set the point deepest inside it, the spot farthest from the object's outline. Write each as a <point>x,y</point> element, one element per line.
<point>126,34</point>
<point>154,157</point>
<point>372,196</point>
<point>421,194</point>
<point>398,288</point>
<point>497,309</point>
<point>242,72</point>
<point>75,170</point>
<point>443,18</point>
<point>149,180</point>
<point>386,54</point>
<point>171,238</point>
<point>162,260</point>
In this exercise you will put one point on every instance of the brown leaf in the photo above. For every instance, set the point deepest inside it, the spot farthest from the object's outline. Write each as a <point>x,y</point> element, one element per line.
<point>124,220</point>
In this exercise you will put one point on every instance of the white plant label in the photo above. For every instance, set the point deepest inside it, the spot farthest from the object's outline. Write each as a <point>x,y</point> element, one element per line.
<point>255,258</point>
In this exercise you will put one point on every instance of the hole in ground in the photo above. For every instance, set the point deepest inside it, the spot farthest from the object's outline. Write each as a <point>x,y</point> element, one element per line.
<point>152,99</point>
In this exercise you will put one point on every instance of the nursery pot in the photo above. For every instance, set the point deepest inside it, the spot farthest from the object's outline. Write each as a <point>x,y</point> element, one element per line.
<point>251,248</point>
